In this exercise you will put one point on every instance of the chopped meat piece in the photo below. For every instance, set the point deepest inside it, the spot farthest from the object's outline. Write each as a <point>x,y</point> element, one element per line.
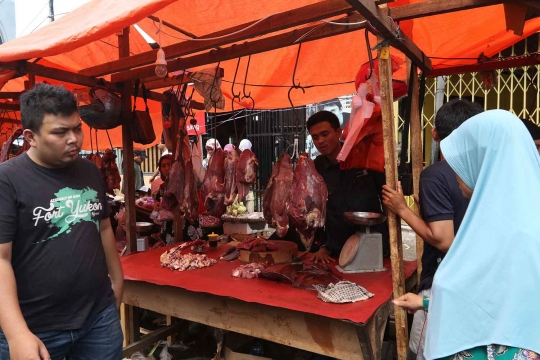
<point>248,271</point>
<point>302,276</point>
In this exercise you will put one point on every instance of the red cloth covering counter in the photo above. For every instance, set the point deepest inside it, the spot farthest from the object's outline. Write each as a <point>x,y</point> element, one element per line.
<point>217,280</point>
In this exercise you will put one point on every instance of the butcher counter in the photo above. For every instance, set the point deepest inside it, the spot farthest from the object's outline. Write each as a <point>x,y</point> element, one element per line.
<point>261,308</point>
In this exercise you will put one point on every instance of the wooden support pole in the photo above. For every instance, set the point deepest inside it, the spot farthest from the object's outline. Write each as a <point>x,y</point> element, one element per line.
<point>417,157</point>
<point>10,95</point>
<point>394,226</point>
<point>127,143</point>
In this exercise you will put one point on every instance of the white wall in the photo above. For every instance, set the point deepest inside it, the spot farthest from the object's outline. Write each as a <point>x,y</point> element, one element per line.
<point>7,20</point>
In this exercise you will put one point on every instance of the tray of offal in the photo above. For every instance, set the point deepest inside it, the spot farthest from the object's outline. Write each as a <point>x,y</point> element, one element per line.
<point>259,250</point>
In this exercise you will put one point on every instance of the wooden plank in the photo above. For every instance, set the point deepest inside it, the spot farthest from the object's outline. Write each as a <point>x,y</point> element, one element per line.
<point>532,3</point>
<point>371,335</point>
<point>331,337</point>
<point>394,223</point>
<point>486,66</point>
<point>150,339</point>
<point>10,95</point>
<point>380,20</point>
<point>438,7</point>
<point>33,70</point>
<point>10,107</point>
<point>515,15</point>
<point>417,157</point>
<point>171,26</point>
<point>277,22</point>
<point>127,159</point>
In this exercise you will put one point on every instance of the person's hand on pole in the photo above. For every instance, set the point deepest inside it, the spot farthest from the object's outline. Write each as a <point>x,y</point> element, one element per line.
<point>394,199</point>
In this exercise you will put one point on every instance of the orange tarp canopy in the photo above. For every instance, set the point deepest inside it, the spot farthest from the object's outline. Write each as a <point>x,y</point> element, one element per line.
<point>87,37</point>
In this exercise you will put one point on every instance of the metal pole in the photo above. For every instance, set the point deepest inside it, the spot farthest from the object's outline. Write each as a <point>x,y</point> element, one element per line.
<point>51,10</point>
<point>439,101</point>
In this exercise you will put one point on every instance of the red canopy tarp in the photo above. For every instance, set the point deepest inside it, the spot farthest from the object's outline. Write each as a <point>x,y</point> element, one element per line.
<point>87,37</point>
<point>217,280</point>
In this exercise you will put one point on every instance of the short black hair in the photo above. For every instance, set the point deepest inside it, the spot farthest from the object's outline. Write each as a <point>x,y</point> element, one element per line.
<point>45,99</point>
<point>323,116</point>
<point>534,130</point>
<point>333,102</point>
<point>452,114</point>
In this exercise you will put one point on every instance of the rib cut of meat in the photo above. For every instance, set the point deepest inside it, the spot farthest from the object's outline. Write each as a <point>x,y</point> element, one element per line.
<point>109,172</point>
<point>307,204</point>
<point>277,195</point>
<point>246,172</point>
<point>213,187</point>
<point>231,159</point>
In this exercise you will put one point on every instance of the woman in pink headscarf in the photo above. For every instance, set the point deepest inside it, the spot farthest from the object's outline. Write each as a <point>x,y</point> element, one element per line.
<point>211,146</point>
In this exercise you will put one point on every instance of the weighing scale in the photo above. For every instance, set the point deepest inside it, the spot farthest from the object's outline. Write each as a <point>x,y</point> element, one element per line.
<point>363,251</point>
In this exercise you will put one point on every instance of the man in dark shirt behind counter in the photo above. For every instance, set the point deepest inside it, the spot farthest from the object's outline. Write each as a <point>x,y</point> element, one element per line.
<point>348,190</point>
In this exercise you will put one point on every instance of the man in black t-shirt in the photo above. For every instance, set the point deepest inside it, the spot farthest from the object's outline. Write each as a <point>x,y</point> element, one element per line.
<point>348,190</point>
<point>442,207</point>
<point>59,267</point>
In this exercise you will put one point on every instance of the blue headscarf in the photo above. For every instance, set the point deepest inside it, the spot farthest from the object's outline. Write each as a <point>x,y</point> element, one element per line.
<point>487,289</point>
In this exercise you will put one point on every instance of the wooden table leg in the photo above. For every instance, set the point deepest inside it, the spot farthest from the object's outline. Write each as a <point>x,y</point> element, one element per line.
<point>371,334</point>
<point>130,322</point>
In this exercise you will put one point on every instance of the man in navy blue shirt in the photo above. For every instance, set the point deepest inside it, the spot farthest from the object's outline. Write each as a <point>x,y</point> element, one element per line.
<point>442,207</point>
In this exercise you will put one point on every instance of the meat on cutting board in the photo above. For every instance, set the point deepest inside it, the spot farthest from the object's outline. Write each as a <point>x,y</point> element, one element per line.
<point>109,172</point>
<point>213,187</point>
<point>231,159</point>
<point>307,203</point>
<point>277,195</point>
<point>246,172</point>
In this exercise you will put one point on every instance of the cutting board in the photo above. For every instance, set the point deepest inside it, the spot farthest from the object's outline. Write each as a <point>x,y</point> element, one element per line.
<point>286,251</point>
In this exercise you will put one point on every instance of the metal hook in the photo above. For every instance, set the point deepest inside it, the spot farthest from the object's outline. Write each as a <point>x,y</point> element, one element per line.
<point>248,96</point>
<point>235,96</point>
<point>370,56</point>
<point>295,86</point>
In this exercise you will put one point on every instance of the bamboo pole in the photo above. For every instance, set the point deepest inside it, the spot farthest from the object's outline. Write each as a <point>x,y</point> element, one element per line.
<point>417,158</point>
<point>396,248</point>
<point>127,143</point>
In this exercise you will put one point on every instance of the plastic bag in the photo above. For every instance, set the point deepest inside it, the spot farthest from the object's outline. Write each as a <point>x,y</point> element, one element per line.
<point>140,356</point>
<point>164,354</point>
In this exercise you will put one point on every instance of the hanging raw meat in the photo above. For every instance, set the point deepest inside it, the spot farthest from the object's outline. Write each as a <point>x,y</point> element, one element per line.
<point>246,172</point>
<point>307,204</point>
<point>109,172</point>
<point>174,193</point>
<point>277,195</point>
<point>213,187</point>
<point>231,159</point>
<point>6,148</point>
<point>190,203</point>
<point>95,158</point>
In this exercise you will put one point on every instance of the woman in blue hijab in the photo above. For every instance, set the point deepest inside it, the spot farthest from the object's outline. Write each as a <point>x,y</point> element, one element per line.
<point>485,300</point>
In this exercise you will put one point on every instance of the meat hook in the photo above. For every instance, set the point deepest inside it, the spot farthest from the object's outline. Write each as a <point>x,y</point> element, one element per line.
<point>235,96</point>
<point>370,56</point>
<point>295,86</point>
<point>248,96</point>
